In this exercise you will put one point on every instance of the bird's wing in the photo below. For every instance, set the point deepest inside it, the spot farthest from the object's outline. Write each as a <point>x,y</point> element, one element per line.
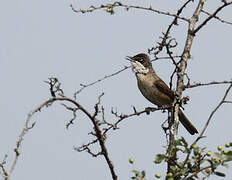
<point>161,85</point>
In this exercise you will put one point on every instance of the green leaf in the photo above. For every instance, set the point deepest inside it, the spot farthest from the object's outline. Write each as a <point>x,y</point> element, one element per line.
<point>229,153</point>
<point>219,174</point>
<point>228,156</point>
<point>178,142</point>
<point>184,142</point>
<point>170,178</point>
<point>159,158</point>
<point>173,168</point>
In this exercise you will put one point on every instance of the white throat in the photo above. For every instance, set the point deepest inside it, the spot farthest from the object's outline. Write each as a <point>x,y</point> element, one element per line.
<point>138,68</point>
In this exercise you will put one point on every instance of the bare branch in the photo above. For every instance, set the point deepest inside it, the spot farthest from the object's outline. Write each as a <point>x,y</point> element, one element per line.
<point>109,8</point>
<point>121,117</point>
<point>186,52</point>
<point>85,147</point>
<point>99,80</point>
<point>213,112</point>
<point>25,130</point>
<point>211,16</point>
<point>96,107</point>
<point>228,102</point>
<point>74,110</point>
<point>216,17</point>
<point>206,84</point>
<point>55,87</point>
<point>4,171</point>
<point>99,134</point>
<point>167,57</point>
<point>166,34</point>
<point>180,79</point>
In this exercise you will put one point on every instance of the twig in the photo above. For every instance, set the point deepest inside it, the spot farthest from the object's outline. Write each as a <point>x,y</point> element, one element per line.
<point>99,80</point>
<point>227,101</point>
<point>216,17</point>
<point>56,88</point>
<point>124,116</point>
<point>74,110</point>
<point>165,57</point>
<point>99,134</point>
<point>96,127</point>
<point>211,16</point>
<point>109,8</point>
<point>213,112</point>
<point>25,130</point>
<point>4,171</point>
<point>96,107</point>
<point>85,147</point>
<point>206,84</point>
<point>166,34</point>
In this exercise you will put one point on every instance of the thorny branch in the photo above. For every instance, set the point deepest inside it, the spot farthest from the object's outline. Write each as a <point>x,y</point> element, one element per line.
<point>156,50</point>
<point>58,95</point>
<point>180,80</point>
<point>110,8</point>
<point>2,166</point>
<point>54,89</point>
<point>54,86</point>
<point>25,130</point>
<point>213,112</point>
<point>166,36</point>
<point>211,16</point>
<point>86,147</point>
<point>112,126</point>
<point>188,44</point>
<point>121,117</point>
<point>97,130</point>
<point>216,17</point>
<point>74,110</point>
<point>206,84</point>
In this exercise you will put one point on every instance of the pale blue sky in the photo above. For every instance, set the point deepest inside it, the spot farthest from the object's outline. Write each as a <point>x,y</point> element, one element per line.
<point>40,39</point>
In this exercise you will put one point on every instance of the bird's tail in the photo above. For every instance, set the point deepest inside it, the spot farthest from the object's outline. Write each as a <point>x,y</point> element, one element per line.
<point>186,123</point>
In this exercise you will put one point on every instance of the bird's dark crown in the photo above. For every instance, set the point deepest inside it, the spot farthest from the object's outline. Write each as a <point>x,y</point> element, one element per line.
<point>143,59</point>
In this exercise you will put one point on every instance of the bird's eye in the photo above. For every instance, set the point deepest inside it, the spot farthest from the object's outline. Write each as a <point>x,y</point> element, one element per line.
<point>141,60</point>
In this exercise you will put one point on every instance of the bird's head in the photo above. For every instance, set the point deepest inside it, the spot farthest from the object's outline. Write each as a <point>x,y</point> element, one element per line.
<point>140,63</point>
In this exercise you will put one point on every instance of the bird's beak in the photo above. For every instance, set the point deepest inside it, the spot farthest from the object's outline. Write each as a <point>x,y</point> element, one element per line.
<point>128,58</point>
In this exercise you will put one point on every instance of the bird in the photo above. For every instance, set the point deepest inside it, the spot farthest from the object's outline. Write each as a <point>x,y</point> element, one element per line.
<point>154,89</point>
